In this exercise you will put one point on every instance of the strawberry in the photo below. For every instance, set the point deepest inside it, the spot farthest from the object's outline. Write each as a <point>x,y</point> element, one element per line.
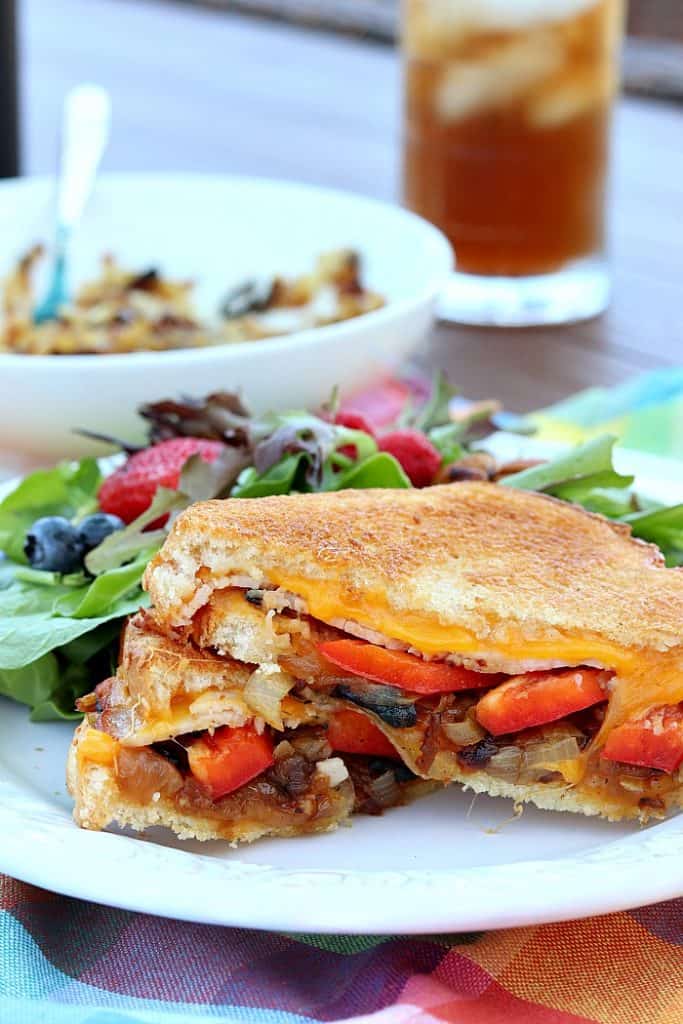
<point>417,455</point>
<point>381,403</point>
<point>129,491</point>
<point>354,421</point>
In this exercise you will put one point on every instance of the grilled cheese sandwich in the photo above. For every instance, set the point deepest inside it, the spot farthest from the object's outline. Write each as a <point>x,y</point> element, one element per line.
<point>359,648</point>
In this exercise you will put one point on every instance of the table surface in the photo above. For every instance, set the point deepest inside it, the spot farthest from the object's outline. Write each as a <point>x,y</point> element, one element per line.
<point>201,90</point>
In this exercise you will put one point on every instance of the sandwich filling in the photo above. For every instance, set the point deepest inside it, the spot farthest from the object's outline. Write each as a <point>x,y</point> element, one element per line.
<point>461,716</point>
<point>209,739</point>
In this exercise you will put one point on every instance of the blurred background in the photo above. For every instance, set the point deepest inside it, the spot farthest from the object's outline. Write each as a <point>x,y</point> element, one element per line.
<point>209,84</point>
<point>310,91</point>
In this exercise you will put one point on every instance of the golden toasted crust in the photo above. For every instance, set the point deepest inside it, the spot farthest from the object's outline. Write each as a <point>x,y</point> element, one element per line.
<point>158,668</point>
<point>166,687</point>
<point>554,797</point>
<point>473,556</point>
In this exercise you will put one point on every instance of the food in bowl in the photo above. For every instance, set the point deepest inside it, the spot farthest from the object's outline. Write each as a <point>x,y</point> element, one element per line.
<point>130,311</point>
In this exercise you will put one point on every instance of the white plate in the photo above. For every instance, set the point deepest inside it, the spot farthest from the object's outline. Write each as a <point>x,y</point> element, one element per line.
<point>217,230</point>
<point>447,863</point>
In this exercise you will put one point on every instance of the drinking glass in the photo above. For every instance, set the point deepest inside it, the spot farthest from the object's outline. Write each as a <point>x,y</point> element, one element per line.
<point>507,123</point>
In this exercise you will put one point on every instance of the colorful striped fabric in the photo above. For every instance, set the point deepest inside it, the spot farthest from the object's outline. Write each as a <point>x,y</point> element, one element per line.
<point>646,413</point>
<point>62,960</point>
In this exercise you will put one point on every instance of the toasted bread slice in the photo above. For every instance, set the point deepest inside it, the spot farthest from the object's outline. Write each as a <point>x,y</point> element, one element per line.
<point>474,569</point>
<point>449,568</point>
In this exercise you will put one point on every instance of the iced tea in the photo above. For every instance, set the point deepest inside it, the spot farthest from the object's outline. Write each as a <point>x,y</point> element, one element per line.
<point>507,117</point>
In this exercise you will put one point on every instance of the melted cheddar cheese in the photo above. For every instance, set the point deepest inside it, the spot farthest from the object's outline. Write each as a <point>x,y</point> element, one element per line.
<point>646,678</point>
<point>97,748</point>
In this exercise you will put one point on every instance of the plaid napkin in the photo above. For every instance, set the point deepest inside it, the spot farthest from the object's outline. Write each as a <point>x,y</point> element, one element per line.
<point>62,960</point>
<point>66,961</point>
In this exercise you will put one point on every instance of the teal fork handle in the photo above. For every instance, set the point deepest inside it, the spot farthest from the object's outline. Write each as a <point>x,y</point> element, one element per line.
<point>57,292</point>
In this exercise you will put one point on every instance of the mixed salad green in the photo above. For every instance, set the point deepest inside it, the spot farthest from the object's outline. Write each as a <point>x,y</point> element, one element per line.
<point>59,633</point>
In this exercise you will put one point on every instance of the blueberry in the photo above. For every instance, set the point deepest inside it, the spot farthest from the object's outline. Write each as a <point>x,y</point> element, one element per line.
<point>93,529</point>
<point>54,544</point>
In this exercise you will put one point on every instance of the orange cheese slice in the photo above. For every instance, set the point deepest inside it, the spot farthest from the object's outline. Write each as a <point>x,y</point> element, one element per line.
<point>645,678</point>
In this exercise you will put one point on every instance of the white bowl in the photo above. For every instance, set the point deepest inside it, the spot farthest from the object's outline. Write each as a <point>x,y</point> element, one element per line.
<point>217,230</point>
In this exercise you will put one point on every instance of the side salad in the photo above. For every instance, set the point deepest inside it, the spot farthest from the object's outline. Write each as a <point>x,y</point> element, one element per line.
<point>75,540</point>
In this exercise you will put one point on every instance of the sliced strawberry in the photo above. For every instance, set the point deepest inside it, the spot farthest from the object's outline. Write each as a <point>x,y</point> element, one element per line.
<point>417,455</point>
<point>129,491</point>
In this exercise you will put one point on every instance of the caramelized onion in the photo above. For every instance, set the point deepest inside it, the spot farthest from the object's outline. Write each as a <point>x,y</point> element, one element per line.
<point>462,734</point>
<point>264,692</point>
<point>385,789</point>
<point>551,752</point>
<point>506,763</point>
<point>141,774</point>
<point>291,775</point>
<point>313,745</point>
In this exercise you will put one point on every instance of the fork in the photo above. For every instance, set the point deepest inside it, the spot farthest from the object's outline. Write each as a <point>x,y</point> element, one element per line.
<point>85,131</point>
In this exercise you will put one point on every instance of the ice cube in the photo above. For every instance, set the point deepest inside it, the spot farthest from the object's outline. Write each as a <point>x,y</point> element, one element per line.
<point>574,94</point>
<point>506,74</point>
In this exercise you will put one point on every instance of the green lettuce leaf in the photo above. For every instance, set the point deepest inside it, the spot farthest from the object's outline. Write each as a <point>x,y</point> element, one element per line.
<point>435,411</point>
<point>663,527</point>
<point>611,502</point>
<point>379,470</point>
<point>123,545</point>
<point>575,474</point>
<point>34,620</point>
<point>279,479</point>
<point>447,440</point>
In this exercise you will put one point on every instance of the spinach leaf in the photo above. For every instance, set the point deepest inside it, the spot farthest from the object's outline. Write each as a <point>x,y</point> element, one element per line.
<point>33,683</point>
<point>33,623</point>
<point>379,470</point>
<point>85,647</point>
<point>280,479</point>
<point>74,681</point>
<point>105,591</point>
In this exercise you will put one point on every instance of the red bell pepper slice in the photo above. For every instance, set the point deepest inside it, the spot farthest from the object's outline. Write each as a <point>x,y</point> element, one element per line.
<point>539,697</point>
<point>407,671</point>
<point>351,732</point>
<point>655,741</point>
<point>230,758</point>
